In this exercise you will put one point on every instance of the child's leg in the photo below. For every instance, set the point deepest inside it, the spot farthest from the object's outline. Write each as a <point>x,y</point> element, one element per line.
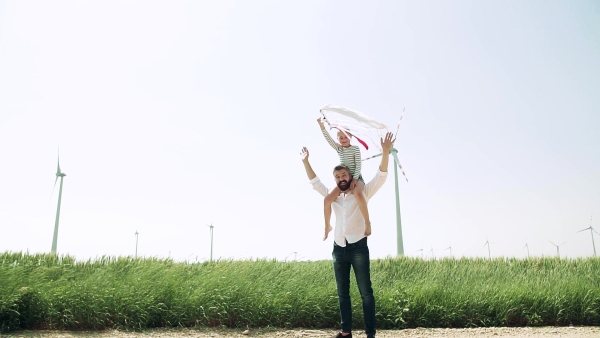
<point>362,204</point>
<point>327,211</point>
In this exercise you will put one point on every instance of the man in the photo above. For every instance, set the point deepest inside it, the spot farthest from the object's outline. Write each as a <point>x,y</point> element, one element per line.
<point>350,249</point>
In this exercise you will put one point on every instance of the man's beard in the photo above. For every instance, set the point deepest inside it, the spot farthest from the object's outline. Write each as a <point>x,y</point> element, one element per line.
<point>344,185</point>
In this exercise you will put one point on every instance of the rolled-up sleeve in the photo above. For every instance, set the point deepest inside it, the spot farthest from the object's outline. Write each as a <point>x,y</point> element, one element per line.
<point>319,186</point>
<point>376,183</point>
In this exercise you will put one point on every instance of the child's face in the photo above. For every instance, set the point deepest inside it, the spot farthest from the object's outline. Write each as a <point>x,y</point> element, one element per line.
<point>343,139</point>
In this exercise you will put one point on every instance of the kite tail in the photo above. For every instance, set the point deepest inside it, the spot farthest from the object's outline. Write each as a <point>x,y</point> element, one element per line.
<point>362,142</point>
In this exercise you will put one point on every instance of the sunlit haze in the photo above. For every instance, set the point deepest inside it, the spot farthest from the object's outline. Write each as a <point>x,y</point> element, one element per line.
<point>172,116</point>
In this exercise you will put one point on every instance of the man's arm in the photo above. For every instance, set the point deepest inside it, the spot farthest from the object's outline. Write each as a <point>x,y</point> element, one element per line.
<point>316,182</point>
<point>309,170</point>
<point>386,146</point>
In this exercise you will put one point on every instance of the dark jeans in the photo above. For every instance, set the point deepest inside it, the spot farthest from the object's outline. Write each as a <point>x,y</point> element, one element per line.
<point>355,255</point>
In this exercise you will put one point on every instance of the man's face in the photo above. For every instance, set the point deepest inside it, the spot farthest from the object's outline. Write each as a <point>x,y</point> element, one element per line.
<point>342,179</point>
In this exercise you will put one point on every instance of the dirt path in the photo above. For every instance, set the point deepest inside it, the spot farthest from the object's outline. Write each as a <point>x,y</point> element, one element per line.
<point>501,332</point>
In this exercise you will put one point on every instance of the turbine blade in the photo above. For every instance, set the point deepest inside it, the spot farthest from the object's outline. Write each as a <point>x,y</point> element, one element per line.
<point>588,228</point>
<point>399,165</point>
<point>368,158</point>
<point>56,180</point>
<point>399,121</point>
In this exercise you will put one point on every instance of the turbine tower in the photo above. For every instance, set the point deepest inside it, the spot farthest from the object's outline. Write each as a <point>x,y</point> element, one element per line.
<point>399,240</point>
<point>61,175</point>
<point>592,230</point>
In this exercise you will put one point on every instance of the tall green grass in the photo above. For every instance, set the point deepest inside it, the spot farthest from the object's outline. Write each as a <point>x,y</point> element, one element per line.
<point>50,292</point>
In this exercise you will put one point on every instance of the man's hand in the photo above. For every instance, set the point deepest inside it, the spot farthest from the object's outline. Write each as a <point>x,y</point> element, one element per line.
<point>388,142</point>
<point>368,229</point>
<point>386,146</point>
<point>352,184</point>
<point>304,154</point>
<point>309,171</point>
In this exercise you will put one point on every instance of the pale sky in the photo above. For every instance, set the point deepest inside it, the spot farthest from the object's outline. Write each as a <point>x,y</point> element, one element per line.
<point>172,115</point>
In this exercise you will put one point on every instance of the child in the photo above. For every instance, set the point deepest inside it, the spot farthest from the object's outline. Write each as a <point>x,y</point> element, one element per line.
<point>350,156</point>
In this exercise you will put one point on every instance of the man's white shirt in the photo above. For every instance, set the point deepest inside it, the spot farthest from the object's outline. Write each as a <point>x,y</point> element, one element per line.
<point>349,222</point>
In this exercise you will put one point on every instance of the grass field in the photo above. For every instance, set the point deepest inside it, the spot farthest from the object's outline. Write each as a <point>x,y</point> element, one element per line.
<point>50,292</point>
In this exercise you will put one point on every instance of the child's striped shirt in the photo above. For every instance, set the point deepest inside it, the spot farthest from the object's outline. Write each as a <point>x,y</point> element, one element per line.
<point>348,156</point>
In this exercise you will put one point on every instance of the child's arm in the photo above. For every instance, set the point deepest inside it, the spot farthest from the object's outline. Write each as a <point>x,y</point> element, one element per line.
<point>357,161</point>
<point>331,142</point>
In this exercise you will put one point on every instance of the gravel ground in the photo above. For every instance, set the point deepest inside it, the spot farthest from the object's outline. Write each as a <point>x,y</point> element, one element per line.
<point>500,332</point>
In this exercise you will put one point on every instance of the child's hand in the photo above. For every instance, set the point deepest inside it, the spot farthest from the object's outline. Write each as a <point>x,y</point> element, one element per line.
<point>320,121</point>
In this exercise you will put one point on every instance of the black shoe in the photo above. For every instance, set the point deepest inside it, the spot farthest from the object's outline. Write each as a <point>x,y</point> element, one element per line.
<point>340,335</point>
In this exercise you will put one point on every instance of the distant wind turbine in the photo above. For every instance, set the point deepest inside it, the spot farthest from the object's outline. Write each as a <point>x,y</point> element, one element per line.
<point>592,230</point>
<point>449,248</point>
<point>557,247</point>
<point>527,246</point>
<point>295,253</point>
<point>487,242</point>
<point>136,242</point>
<point>61,175</point>
<point>431,251</point>
<point>211,240</point>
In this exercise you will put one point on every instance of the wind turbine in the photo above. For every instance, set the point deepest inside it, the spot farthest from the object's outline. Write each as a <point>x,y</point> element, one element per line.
<point>61,175</point>
<point>557,247</point>
<point>527,246</point>
<point>592,230</point>
<point>487,242</point>
<point>211,240</point>
<point>295,253</point>
<point>449,248</point>
<point>399,241</point>
<point>136,242</point>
